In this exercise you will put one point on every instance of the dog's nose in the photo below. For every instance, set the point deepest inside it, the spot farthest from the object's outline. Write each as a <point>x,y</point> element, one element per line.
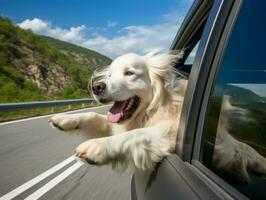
<point>98,88</point>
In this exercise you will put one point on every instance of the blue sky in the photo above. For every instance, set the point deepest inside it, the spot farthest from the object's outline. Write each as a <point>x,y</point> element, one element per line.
<point>110,27</point>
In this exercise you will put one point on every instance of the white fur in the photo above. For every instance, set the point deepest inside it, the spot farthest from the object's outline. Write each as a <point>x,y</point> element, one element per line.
<point>230,155</point>
<point>151,133</point>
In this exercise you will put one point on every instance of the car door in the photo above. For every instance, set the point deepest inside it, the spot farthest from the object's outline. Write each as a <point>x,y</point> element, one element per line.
<point>184,175</point>
<point>230,143</point>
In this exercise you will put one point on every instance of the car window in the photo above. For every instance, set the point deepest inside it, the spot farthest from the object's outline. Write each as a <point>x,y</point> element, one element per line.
<point>234,140</point>
<point>185,69</point>
<point>191,56</point>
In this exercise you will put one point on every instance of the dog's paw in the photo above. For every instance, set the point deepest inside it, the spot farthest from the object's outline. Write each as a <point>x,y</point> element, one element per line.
<point>93,151</point>
<point>64,122</point>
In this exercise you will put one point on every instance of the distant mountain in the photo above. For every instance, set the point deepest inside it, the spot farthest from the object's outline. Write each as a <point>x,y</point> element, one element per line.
<point>34,67</point>
<point>239,95</point>
<point>89,58</point>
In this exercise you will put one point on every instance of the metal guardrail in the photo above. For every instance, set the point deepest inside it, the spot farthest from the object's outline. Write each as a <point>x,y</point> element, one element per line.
<point>41,104</point>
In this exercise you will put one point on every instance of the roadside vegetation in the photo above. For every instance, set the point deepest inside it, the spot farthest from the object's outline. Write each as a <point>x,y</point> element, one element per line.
<point>20,48</point>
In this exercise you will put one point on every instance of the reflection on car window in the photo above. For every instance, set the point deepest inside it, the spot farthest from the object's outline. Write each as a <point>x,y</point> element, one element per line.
<point>191,56</point>
<point>234,144</point>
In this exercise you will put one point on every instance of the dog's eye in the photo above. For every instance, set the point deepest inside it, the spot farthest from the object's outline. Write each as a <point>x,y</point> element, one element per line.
<point>128,73</point>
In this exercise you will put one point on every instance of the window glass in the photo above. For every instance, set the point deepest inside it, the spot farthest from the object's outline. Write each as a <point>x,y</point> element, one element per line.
<point>191,56</point>
<point>234,142</point>
<point>186,68</point>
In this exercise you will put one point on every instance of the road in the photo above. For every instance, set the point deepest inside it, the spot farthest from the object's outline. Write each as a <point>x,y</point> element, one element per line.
<point>36,163</point>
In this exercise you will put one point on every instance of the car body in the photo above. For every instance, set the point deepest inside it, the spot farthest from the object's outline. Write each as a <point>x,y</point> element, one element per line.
<point>217,28</point>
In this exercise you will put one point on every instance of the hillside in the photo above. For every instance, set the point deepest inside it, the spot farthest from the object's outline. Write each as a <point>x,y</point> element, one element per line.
<point>89,58</point>
<point>34,67</point>
<point>239,95</point>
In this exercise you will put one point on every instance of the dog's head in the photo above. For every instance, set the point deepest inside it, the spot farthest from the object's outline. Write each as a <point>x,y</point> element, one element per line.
<point>133,83</point>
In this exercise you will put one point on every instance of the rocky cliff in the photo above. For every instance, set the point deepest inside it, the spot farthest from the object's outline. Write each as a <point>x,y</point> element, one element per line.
<point>55,69</point>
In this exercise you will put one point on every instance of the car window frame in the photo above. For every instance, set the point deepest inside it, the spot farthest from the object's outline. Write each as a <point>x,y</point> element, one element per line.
<point>197,144</point>
<point>212,77</point>
<point>202,64</point>
<point>188,35</point>
<point>219,23</point>
<point>185,169</point>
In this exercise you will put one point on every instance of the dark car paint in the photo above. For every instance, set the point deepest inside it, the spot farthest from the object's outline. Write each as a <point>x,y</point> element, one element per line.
<point>187,178</point>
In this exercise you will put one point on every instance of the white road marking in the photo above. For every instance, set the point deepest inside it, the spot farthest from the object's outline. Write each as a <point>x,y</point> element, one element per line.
<point>44,116</point>
<point>48,186</point>
<point>37,179</point>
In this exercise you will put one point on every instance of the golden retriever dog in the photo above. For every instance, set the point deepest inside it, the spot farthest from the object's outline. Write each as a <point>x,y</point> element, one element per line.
<point>141,126</point>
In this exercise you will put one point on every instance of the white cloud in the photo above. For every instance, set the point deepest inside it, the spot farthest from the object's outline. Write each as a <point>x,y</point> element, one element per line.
<point>111,23</point>
<point>36,25</point>
<point>140,39</point>
<point>137,38</point>
<point>73,34</point>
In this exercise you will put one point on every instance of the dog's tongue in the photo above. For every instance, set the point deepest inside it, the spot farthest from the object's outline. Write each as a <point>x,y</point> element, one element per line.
<point>116,112</point>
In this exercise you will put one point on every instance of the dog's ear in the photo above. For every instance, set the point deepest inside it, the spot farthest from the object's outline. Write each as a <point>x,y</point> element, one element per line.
<point>160,64</point>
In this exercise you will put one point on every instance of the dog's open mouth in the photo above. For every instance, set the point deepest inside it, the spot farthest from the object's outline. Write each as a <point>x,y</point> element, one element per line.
<point>122,110</point>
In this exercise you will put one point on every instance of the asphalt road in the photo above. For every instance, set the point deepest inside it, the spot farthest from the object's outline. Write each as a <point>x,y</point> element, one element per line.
<point>36,162</point>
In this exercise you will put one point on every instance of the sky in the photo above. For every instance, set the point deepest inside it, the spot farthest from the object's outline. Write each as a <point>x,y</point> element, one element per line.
<point>109,27</point>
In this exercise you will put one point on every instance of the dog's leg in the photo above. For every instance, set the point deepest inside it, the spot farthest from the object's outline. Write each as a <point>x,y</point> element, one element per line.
<point>91,124</point>
<point>144,146</point>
